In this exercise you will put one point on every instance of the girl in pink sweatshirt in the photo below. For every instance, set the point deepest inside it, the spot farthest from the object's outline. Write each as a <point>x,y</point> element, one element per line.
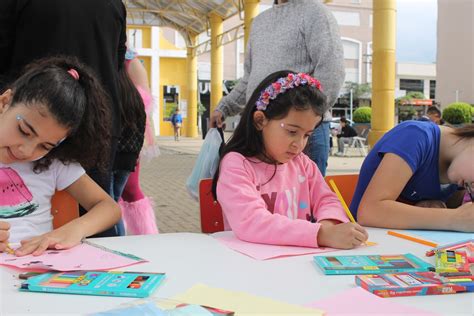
<point>270,192</point>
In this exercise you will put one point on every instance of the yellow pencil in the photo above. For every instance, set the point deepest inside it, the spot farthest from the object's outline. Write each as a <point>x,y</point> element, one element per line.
<point>9,249</point>
<point>339,195</point>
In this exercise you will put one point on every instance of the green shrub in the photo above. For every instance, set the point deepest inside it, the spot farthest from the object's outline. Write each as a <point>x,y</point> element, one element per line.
<point>458,113</point>
<point>362,115</point>
<point>406,99</point>
<point>406,113</point>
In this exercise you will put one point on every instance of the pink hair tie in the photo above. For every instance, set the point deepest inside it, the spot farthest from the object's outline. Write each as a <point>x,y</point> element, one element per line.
<point>73,72</point>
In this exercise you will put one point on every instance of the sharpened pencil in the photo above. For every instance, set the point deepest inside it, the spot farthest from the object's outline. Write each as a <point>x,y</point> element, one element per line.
<point>9,249</point>
<point>411,238</point>
<point>341,199</point>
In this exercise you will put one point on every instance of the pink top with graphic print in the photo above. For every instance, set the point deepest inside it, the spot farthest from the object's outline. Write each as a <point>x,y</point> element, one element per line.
<point>275,211</point>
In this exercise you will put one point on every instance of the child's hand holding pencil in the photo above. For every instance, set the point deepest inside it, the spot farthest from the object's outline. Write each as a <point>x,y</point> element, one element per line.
<point>4,235</point>
<point>343,236</point>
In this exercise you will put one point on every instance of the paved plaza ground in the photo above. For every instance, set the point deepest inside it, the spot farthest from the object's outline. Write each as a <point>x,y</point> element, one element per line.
<point>164,178</point>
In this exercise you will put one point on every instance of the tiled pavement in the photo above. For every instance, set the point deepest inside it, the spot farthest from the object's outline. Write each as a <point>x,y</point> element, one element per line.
<point>164,178</point>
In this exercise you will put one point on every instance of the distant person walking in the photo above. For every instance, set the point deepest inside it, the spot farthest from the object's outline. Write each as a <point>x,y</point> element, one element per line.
<point>177,121</point>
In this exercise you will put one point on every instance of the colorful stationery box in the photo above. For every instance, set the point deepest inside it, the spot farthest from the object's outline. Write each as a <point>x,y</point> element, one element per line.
<point>416,283</point>
<point>371,264</point>
<point>451,261</point>
<point>111,283</point>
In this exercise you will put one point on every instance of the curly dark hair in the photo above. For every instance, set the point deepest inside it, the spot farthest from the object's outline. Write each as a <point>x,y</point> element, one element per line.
<point>81,105</point>
<point>247,140</point>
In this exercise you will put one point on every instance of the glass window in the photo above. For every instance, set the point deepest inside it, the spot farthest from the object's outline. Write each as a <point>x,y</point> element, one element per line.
<point>432,89</point>
<point>351,49</point>
<point>411,85</point>
<point>347,18</point>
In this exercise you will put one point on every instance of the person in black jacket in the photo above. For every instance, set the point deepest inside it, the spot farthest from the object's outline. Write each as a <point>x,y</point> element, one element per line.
<point>93,31</point>
<point>345,137</point>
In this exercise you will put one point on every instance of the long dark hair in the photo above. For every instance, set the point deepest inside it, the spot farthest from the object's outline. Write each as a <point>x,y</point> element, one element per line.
<point>133,116</point>
<point>247,140</point>
<point>465,132</point>
<point>81,105</point>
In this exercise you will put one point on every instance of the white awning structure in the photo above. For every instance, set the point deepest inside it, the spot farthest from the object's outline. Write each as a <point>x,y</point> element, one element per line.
<point>189,17</point>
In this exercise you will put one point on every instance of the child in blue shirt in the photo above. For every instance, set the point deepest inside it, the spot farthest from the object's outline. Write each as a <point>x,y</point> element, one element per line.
<point>412,175</point>
<point>177,121</point>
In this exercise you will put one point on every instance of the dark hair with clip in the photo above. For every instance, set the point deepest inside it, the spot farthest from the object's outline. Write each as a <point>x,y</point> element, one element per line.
<point>81,105</point>
<point>247,140</point>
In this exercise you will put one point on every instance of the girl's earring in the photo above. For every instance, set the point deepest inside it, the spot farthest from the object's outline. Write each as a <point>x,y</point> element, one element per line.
<point>19,117</point>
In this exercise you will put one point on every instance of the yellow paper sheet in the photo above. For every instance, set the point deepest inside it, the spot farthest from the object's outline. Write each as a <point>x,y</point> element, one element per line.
<point>243,304</point>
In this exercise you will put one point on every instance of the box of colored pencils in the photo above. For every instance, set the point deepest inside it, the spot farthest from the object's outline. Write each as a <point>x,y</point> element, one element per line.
<point>451,261</point>
<point>415,283</point>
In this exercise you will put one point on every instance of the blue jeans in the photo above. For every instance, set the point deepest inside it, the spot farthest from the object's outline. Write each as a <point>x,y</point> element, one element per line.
<point>117,184</point>
<point>318,147</point>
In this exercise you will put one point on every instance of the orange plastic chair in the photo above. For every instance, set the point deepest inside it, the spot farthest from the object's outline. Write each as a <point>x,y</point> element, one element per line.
<point>64,208</point>
<point>346,183</point>
<point>211,212</point>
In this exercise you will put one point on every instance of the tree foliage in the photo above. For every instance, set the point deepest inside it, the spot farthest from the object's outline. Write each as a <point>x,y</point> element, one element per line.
<point>458,113</point>
<point>362,115</point>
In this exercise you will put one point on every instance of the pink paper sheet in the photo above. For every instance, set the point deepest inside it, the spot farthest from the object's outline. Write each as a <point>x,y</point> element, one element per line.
<point>85,256</point>
<point>261,251</point>
<point>359,302</point>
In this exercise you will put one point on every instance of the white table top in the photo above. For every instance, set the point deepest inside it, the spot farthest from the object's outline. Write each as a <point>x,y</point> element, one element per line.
<point>190,258</point>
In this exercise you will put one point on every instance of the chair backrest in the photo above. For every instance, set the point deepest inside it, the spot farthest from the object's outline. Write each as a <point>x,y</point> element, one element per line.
<point>64,208</point>
<point>346,183</point>
<point>211,212</point>
<point>364,133</point>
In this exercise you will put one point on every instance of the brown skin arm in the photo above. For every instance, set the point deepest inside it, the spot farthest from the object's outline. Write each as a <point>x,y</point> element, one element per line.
<point>103,212</point>
<point>379,208</point>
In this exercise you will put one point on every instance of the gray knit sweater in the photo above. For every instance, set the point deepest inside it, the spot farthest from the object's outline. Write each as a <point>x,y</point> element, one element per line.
<point>299,35</point>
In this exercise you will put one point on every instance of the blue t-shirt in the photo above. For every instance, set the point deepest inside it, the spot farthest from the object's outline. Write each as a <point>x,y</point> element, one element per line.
<point>176,118</point>
<point>417,143</point>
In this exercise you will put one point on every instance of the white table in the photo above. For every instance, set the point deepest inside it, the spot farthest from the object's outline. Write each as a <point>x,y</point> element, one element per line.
<point>189,258</point>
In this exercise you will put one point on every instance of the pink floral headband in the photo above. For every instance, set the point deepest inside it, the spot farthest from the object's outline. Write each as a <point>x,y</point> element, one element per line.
<point>285,83</point>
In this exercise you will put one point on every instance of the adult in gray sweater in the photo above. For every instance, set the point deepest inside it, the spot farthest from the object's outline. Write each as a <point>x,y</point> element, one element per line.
<point>296,35</point>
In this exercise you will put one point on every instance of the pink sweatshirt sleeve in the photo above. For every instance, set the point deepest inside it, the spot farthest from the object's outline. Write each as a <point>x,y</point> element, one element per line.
<point>324,202</point>
<point>247,213</point>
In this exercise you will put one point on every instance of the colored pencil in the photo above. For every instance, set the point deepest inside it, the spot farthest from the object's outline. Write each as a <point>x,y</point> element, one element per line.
<point>418,240</point>
<point>450,246</point>
<point>469,190</point>
<point>339,196</point>
<point>455,245</point>
<point>9,249</point>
